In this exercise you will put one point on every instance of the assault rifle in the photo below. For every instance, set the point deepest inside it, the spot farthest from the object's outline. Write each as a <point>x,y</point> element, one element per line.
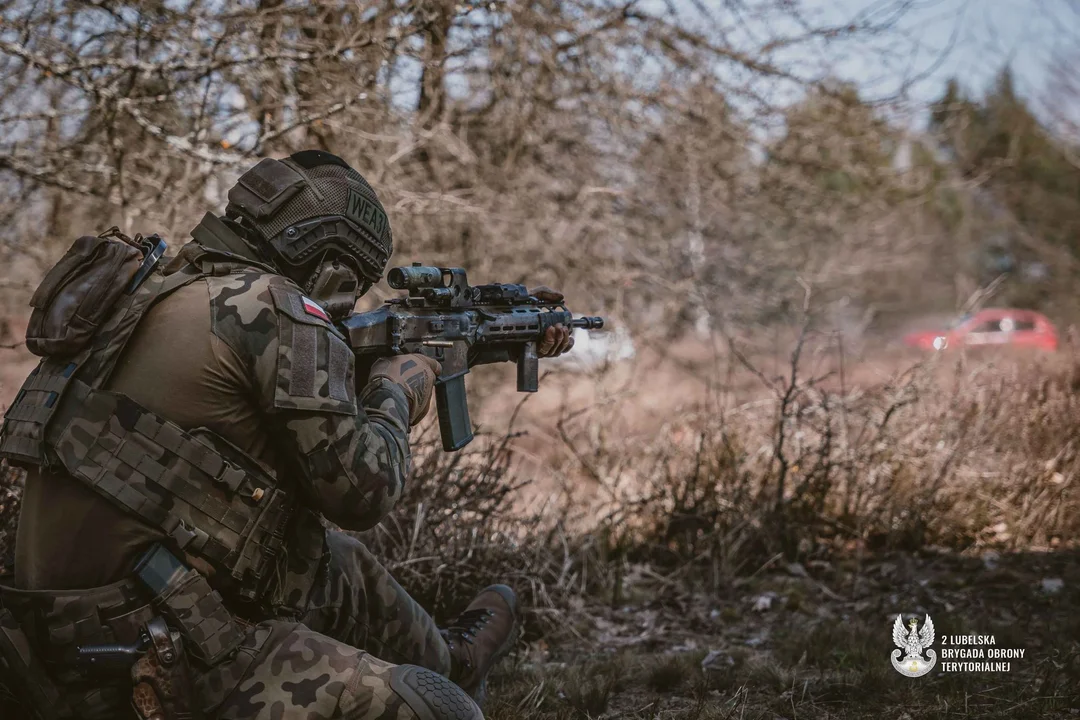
<point>461,327</point>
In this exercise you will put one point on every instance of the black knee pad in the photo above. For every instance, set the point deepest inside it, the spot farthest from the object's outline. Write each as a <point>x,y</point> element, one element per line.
<point>431,696</point>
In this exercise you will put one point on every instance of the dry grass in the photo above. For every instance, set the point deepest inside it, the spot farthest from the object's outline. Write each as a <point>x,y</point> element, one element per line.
<point>844,503</point>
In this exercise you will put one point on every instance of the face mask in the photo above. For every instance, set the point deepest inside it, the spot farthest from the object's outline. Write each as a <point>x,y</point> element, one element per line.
<point>335,286</point>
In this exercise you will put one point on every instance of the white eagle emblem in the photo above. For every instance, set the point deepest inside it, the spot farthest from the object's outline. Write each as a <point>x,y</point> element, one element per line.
<point>912,644</point>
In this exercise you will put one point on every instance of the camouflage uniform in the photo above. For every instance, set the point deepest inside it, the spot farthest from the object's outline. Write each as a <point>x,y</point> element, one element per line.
<point>242,353</point>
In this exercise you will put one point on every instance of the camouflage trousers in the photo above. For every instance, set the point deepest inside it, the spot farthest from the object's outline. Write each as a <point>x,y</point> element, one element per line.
<point>359,632</point>
<point>359,603</point>
<point>285,670</point>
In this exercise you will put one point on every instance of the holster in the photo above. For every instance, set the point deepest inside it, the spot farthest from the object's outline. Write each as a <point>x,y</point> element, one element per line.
<point>205,630</point>
<point>163,685</point>
<point>162,682</point>
<point>192,625</point>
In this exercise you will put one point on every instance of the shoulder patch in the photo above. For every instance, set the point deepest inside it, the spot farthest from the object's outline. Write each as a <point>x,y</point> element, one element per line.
<point>313,308</point>
<point>315,366</point>
<point>289,300</point>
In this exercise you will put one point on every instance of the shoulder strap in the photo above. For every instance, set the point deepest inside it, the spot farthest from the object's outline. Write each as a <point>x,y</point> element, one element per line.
<point>216,243</point>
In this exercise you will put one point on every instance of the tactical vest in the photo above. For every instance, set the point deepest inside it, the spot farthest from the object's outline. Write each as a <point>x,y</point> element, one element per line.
<point>203,493</point>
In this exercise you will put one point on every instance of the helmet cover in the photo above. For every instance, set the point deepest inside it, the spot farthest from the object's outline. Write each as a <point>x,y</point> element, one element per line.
<point>309,205</point>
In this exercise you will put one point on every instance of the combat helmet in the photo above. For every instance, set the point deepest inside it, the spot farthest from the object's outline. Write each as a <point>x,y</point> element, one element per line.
<point>318,221</point>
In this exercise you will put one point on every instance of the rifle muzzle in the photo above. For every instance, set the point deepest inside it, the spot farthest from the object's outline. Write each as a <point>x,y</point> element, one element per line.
<point>588,323</point>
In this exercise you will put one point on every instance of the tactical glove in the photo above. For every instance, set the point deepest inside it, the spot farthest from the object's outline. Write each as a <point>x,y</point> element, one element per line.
<point>415,374</point>
<point>558,339</point>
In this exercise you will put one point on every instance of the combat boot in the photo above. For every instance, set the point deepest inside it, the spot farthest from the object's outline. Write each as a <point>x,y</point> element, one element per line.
<point>480,637</point>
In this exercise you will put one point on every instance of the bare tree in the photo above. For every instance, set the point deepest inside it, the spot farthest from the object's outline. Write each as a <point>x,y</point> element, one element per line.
<point>611,146</point>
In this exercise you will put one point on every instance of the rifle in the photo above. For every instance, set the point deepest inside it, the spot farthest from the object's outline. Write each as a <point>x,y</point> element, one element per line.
<point>461,327</point>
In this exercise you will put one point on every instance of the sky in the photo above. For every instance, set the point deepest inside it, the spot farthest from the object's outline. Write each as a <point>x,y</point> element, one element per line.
<point>898,52</point>
<point>968,39</point>
<point>931,41</point>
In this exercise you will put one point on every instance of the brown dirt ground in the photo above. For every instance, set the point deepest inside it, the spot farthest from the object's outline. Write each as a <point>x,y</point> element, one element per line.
<point>811,642</point>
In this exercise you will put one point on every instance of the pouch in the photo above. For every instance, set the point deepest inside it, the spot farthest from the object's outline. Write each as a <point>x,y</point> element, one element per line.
<point>79,293</point>
<point>190,605</point>
<point>265,188</point>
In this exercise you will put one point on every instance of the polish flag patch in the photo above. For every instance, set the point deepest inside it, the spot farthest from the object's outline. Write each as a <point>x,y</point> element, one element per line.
<point>313,308</point>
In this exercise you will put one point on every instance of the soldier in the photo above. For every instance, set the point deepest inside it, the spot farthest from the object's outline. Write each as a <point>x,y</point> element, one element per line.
<point>214,414</point>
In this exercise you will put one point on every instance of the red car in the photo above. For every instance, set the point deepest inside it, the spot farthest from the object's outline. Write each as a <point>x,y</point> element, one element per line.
<point>993,326</point>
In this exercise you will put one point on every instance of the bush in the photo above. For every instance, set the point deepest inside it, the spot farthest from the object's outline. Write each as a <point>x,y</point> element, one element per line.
<point>947,454</point>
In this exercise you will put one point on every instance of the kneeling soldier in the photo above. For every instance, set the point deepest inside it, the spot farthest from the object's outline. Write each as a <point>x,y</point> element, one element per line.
<point>201,417</point>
